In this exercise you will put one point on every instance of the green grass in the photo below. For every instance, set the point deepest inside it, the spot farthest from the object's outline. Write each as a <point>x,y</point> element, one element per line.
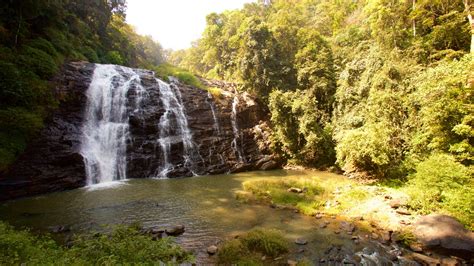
<point>124,245</point>
<point>249,248</point>
<point>276,192</point>
<point>164,71</point>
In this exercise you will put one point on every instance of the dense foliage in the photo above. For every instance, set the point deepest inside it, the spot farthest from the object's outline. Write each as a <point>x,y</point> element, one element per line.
<point>371,86</point>
<point>125,245</point>
<point>36,37</point>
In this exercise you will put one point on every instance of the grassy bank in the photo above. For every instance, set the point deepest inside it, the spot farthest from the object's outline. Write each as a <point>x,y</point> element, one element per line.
<point>338,195</point>
<point>124,245</point>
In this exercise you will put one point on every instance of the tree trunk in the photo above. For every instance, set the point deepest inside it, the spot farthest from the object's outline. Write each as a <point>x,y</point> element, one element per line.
<point>467,5</point>
<point>414,21</point>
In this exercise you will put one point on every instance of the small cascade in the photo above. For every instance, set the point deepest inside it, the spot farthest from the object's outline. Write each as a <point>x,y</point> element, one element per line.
<point>174,128</point>
<point>105,130</point>
<point>217,126</point>
<point>235,128</point>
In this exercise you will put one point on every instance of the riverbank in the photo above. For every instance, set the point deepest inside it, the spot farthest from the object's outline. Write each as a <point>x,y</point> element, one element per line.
<point>381,210</point>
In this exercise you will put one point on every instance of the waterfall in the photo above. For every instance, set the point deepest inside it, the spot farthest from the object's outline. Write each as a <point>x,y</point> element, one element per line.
<point>174,128</point>
<point>217,126</point>
<point>235,128</point>
<point>105,130</point>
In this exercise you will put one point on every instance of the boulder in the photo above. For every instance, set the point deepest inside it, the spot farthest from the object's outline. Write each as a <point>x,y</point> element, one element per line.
<point>425,260</point>
<point>175,230</point>
<point>444,234</point>
<point>301,241</point>
<point>241,167</point>
<point>295,190</point>
<point>211,250</point>
<point>270,165</point>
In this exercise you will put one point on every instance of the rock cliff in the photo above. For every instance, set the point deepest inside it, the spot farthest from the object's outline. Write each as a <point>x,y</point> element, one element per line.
<point>229,133</point>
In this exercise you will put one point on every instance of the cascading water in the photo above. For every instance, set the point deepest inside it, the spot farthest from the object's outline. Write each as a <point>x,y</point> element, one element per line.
<point>217,126</point>
<point>174,128</point>
<point>235,128</point>
<point>106,129</point>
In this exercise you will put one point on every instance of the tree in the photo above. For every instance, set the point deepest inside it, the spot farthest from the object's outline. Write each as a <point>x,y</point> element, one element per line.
<point>467,5</point>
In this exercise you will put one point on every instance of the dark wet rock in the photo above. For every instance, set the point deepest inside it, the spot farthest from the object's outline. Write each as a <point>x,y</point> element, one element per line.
<point>241,167</point>
<point>59,229</point>
<point>270,165</point>
<point>175,230</point>
<point>52,162</point>
<point>301,241</point>
<point>211,250</point>
<point>444,234</point>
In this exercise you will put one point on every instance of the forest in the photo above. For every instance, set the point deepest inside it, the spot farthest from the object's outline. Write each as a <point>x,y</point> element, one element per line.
<point>377,88</point>
<point>380,91</point>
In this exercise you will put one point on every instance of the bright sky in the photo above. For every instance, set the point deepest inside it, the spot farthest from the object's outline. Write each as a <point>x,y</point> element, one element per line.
<point>175,23</point>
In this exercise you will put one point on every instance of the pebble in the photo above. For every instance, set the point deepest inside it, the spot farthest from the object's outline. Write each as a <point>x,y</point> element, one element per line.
<point>403,212</point>
<point>211,250</point>
<point>292,263</point>
<point>301,241</point>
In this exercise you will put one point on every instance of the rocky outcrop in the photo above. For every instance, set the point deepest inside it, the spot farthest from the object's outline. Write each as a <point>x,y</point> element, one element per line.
<point>444,234</point>
<point>52,161</point>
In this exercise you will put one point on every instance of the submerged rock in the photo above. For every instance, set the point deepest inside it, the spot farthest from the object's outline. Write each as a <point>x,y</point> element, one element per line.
<point>211,250</point>
<point>175,230</point>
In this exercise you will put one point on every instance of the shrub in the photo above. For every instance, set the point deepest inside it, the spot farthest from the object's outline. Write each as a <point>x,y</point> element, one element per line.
<point>266,241</point>
<point>248,249</point>
<point>16,126</point>
<point>114,57</point>
<point>125,245</point>
<point>90,54</point>
<point>12,87</point>
<point>44,46</point>
<point>442,183</point>
<point>164,71</point>
<point>39,62</point>
<point>231,251</point>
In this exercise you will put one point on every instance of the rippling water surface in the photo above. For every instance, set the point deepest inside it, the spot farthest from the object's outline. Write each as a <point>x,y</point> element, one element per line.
<point>206,205</point>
